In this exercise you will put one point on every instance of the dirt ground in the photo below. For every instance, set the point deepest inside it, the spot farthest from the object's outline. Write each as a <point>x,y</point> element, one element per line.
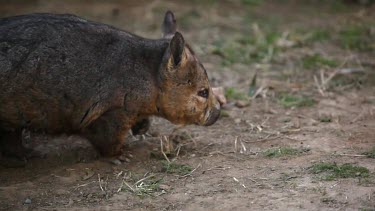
<point>312,105</point>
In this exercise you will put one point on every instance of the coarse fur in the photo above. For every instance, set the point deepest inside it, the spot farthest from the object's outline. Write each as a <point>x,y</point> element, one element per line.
<point>64,74</point>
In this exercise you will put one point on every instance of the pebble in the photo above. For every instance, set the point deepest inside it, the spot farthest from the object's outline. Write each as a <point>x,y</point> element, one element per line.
<point>116,161</point>
<point>27,201</point>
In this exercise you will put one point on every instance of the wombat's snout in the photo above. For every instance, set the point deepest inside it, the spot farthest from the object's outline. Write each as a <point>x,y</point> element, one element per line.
<point>214,115</point>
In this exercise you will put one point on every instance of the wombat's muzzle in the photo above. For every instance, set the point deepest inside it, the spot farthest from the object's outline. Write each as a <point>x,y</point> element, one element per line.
<point>213,116</point>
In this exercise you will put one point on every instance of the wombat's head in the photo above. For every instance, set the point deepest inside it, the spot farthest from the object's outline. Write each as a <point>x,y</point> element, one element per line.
<point>186,96</point>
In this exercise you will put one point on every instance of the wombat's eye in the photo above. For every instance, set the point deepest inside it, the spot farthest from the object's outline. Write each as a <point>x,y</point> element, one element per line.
<point>203,93</point>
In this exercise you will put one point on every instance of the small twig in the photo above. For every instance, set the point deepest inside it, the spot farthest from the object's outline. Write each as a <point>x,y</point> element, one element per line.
<point>243,148</point>
<point>258,92</point>
<point>265,139</point>
<point>358,117</point>
<point>143,179</point>
<point>120,188</point>
<point>83,185</point>
<point>252,180</point>
<point>100,183</point>
<point>193,140</point>
<point>322,84</point>
<point>292,139</point>
<point>162,151</point>
<point>119,174</point>
<point>208,145</point>
<point>235,144</point>
<point>264,122</point>
<point>351,155</point>
<point>189,174</point>
<point>218,168</point>
<point>178,150</point>
<point>129,187</point>
<point>105,184</point>
<point>318,86</point>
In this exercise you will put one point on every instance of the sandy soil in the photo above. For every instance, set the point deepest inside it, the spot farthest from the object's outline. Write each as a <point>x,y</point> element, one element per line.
<point>224,166</point>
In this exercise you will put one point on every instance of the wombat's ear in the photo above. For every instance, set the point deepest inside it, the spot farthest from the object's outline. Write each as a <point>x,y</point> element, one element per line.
<point>169,25</point>
<point>176,47</point>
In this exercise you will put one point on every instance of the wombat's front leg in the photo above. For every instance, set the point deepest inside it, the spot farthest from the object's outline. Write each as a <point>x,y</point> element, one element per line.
<point>107,133</point>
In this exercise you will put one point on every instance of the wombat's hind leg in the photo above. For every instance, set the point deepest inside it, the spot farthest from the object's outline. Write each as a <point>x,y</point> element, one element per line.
<point>107,133</point>
<point>13,152</point>
<point>141,126</point>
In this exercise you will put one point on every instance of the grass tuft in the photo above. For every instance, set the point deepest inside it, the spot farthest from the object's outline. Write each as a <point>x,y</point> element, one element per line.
<point>260,47</point>
<point>234,94</point>
<point>288,101</point>
<point>148,186</point>
<point>317,61</point>
<point>251,2</point>
<point>371,153</point>
<point>174,168</point>
<point>333,171</point>
<point>357,38</point>
<point>319,35</point>
<point>282,151</point>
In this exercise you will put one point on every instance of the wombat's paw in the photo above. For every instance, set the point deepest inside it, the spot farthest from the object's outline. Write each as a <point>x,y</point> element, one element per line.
<point>141,126</point>
<point>118,160</point>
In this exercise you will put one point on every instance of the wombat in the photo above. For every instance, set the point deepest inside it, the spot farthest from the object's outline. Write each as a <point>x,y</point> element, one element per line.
<point>61,73</point>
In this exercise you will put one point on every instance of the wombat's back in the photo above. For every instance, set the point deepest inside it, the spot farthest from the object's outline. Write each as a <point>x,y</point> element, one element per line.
<point>56,71</point>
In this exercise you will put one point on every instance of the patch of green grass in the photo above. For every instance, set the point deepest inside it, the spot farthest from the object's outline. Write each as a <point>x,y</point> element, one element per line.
<point>205,2</point>
<point>338,6</point>
<point>288,101</point>
<point>234,94</point>
<point>371,153</point>
<point>174,168</point>
<point>251,2</point>
<point>231,52</point>
<point>188,18</point>
<point>325,119</point>
<point>263,43</point>
<point>282,151</point>
<point>333,171</point>
<point>147,186</point>
<point>317,61</point>
<point>366,209</point>
<point>357,37</point>
<point>259,46</point>
<point>319,35</point>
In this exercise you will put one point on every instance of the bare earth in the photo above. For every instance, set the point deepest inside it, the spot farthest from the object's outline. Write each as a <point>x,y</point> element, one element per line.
<point>227,167</point>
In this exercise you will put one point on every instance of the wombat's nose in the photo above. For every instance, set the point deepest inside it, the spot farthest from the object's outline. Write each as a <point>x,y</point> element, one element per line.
<point>214,115</point>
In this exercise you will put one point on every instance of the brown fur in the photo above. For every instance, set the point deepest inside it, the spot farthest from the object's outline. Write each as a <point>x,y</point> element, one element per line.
<point>66,74</point>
